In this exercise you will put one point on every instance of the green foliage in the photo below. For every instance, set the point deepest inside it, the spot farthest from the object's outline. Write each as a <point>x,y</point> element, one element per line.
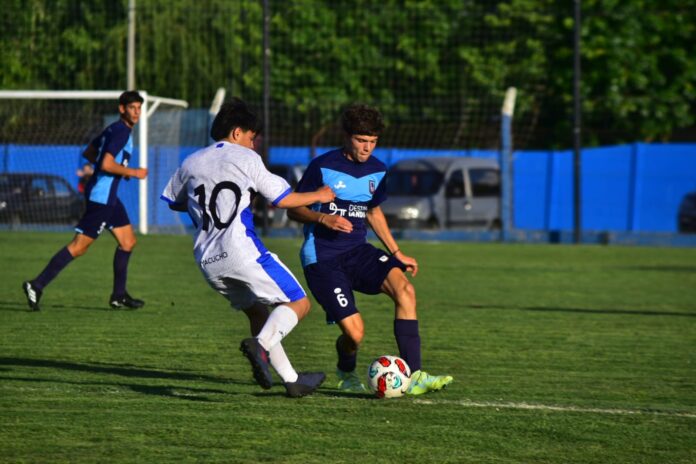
<point>435,66</point>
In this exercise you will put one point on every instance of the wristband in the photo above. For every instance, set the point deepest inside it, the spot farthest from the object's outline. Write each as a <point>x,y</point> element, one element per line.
<point>395,251</point>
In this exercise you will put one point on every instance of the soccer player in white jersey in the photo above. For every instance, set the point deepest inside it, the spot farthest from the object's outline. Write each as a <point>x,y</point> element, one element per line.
<point>214,185</point>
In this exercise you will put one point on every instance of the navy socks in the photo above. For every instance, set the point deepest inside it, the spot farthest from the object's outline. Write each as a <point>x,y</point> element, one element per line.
<point>346,362</point>
<point>53,268</point>
<point>409,342</point>
<point>120,272</point>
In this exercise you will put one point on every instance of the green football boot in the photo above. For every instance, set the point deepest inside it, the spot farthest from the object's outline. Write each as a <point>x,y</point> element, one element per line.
<point>349,381</point>
<point>422,382</point>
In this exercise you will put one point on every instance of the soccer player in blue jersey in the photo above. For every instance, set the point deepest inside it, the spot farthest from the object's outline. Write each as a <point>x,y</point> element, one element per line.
<point>110,152</point>
<point>337,259</point>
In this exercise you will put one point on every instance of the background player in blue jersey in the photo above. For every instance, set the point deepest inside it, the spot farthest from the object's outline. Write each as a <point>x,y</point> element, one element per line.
<point>110,152</point>
<point>337,259</point>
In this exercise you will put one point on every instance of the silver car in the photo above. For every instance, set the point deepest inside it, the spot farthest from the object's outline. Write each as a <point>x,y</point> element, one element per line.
<point>443,192</point>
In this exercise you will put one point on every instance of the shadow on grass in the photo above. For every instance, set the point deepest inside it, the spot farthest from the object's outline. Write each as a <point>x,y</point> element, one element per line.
<point>669,268</point>
<point>125,371</point>
<point>323,392</point>
<point>172,391</point>
<point>635,312</point>
<point>22,306</point>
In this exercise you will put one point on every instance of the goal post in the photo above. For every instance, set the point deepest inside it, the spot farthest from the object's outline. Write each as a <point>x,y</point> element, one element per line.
<point>150,105</point>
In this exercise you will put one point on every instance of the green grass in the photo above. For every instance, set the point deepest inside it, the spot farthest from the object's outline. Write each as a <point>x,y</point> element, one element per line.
<point>560,354</point>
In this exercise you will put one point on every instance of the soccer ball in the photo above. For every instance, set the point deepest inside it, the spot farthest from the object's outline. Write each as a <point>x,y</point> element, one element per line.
<point>389,376</point>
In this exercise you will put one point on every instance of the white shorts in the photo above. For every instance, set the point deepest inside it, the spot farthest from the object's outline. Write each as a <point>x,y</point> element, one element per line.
<point>266,280</point>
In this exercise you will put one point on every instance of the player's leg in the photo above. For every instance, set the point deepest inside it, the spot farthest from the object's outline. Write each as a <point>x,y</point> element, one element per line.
<point>33,289</point>
<point>124,234</point>
<point>88,229</point>
<point>407,335</point>
<point>296,384</point>
<point>281,321</point>
<point>272,283</point>
<point>331,286</point>
<point>258,315</point>
<point>347,345</point>
<point>397,286</point>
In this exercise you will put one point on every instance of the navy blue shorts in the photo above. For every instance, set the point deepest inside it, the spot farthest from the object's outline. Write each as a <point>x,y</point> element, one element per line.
<point>98,216</point>
<point>333,281</point>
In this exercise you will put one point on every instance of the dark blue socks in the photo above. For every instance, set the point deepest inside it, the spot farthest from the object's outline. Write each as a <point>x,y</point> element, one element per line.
<point>409,342</point>
<point>120,272</point>
<point>53,268</point>
<point>346,362</point>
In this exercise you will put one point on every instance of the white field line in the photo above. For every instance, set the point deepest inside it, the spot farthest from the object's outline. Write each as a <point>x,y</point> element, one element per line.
<point>546,407</point>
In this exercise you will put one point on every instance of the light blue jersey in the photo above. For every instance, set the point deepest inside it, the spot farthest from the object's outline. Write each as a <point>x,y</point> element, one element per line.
<point>117,140</point>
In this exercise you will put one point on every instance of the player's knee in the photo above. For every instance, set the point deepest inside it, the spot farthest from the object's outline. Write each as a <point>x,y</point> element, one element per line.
<point>300,307</point>
<point>128,244</point>
<point>355,337</point>
<point>77,250</point>
<point>406,294</point>
<point>304,307</point>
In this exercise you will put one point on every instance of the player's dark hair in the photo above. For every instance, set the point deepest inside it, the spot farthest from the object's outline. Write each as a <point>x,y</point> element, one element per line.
<point>128,97</point>
<point>234,114</point>
<point>359,119</point>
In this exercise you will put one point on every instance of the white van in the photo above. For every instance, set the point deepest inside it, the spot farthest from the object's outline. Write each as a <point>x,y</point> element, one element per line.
<point>443,192</point>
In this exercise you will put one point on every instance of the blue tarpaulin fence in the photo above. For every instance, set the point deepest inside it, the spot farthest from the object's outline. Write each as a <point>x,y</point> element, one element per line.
<point>625,188</point>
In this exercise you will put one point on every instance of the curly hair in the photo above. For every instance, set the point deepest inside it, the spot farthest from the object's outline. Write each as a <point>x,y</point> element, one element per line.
<point>234,114</point>
<point>359,119</point>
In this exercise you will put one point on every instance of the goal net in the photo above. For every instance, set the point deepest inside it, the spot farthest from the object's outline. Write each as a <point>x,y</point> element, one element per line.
<point>42,171</point>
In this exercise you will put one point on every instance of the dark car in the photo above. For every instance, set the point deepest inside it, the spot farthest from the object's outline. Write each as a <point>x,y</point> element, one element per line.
<point>277,217</point>
<point>38,199</point>
<point>686,217</point>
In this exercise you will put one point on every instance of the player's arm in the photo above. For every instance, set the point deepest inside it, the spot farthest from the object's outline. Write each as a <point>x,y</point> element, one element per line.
<point>308,216</point>
<point>375,217</point>
<point>110,165</point>
<point>90,153</point>
<point>323,194</point>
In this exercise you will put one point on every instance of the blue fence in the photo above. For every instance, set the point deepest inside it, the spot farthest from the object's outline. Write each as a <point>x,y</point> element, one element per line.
<point>626,188</point>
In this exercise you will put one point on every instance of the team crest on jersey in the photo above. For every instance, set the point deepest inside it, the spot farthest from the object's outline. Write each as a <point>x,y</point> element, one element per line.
<point>372,186</point>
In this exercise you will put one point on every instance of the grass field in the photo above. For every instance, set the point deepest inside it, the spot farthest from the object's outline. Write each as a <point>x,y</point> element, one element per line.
<point>560,354</point>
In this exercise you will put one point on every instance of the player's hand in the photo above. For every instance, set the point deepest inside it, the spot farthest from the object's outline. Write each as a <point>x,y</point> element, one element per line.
<point>325,194</point>
<point>140,173</point>
<point>337,223</point>
<point>411,263</point>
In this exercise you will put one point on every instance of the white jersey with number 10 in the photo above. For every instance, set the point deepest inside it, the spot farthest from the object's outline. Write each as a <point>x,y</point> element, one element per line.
<point>216,185</point>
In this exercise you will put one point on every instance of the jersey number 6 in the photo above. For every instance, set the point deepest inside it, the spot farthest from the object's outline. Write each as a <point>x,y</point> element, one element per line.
<point>212,206</point>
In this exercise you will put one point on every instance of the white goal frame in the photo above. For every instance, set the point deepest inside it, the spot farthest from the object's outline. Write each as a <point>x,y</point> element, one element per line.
<point>150,105</point>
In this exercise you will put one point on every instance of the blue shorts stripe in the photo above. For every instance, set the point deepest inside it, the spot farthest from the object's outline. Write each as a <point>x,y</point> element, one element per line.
<point>247,218</point>
<point>281,277</point>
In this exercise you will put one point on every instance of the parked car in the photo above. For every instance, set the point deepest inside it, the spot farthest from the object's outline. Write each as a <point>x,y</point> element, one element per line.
<point>277,217</point>
<point>38,198</point>
<point>443,192</point>
<point>686,218</point>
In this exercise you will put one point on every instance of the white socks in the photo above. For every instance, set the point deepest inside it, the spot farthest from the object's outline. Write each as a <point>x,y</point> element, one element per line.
<point>281,364</point>
<point>280,323</point>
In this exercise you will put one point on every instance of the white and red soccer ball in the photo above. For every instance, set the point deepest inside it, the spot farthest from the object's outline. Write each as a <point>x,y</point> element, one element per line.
<point>388,377</point>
